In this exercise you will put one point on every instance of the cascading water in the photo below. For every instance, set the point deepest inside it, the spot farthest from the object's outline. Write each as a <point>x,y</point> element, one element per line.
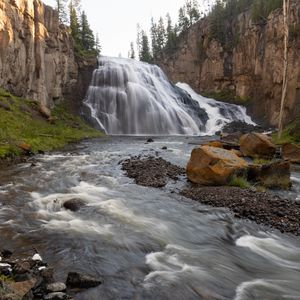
<point>130,97</point>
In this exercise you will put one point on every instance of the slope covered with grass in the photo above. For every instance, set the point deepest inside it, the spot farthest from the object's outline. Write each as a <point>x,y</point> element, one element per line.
<point>22,126</point>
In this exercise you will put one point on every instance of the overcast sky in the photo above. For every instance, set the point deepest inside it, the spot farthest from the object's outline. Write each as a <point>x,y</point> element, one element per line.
<point>116,20</point>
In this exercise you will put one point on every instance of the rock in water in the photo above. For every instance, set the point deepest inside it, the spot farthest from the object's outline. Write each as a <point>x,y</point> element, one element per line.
<point>257,145</point>
<point>56,296</point>
<point>74,204</point>
<point>291,152</point>
<point>76,280</point>
<point>213,166</point>
<point>56,287</point>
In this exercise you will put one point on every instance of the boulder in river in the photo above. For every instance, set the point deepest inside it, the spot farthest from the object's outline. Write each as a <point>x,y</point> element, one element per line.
<point>257,145</point>
<point>213,166</point>
<point>291,152</point>
<point>74,204</point>
<point>76,280</point>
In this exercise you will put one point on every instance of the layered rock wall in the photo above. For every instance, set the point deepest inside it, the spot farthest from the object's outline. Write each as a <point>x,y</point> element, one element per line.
<point>252,70</point>
<point>36,53</point>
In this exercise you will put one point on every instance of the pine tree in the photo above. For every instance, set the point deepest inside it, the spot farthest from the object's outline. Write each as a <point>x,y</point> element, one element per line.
<point>183,21</point>
<point>75,26</point>
<point>216,22</point>
<point>87,35</point>
<point>161,35</point>
<point>61,10</point>
<point>171,35</point>
<point>153,32</point>
<point>139,39</point>
<point>131,52</point>
<point>145,54</point>
<point>97,44</point>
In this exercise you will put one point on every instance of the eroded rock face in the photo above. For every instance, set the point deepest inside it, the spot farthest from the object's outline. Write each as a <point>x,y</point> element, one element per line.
<point>257,145</point>
<point>252,70</point>
<point>36,53</point>
<point>213,166</point>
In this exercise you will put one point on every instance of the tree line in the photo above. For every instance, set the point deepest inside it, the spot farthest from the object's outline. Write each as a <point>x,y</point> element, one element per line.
<point>85,41</point>
<point>164,34</point>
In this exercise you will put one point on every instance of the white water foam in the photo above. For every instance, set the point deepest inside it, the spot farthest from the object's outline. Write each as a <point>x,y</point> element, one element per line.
<point>280,252</point>
<point>219,113</point>
<point>170,266</point>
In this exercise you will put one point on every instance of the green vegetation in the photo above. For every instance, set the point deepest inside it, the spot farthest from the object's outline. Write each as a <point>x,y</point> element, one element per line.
<point>261,161</point>
<point>225,12</point>
<point>226,96</point>
<point>164,35</point>
<point>261,9</point>
<point>290,134</point>
<point>4,278</point>
<point>222,25</point>
<point>238,181</point>
<point>85,42</point>
<point>22,126</point>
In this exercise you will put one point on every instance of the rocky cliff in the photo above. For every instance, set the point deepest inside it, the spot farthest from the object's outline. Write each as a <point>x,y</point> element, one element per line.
<point>251,70</point>
<point>36,53</point>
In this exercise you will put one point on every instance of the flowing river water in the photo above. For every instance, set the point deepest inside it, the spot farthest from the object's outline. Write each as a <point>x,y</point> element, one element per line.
<point>145,243</point>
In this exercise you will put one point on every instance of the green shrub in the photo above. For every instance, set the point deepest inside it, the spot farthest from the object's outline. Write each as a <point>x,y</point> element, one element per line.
<point>238,181</point>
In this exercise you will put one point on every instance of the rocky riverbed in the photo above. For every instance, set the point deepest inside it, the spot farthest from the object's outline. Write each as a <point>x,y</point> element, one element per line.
<point>30,278</point>
<point>261,207</point>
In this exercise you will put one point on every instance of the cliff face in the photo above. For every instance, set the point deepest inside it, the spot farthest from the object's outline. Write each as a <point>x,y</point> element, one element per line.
<point>36,53</point>
<point>251,70</point>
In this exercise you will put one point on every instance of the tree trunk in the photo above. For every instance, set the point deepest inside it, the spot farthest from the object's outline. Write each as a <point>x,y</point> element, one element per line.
<point>286,4</point>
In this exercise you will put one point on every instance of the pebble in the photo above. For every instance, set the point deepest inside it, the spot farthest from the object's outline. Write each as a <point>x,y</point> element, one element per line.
<point>56,287</point>
<point>37,257</point>
<point>56,296</point>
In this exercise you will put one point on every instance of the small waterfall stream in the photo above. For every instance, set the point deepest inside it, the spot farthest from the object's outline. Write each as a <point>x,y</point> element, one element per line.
<point>128,97</point>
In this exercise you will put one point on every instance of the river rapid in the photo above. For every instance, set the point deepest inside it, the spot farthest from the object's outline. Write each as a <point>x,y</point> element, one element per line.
<point>145,243</point>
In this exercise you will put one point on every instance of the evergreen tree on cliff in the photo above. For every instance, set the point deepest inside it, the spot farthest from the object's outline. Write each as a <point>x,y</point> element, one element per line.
<point>74,25</point>
<point>87,35</point>
<point>171,35</point>
<point>97,44</point>
<point>132,52</point>
<point>183,21</point>
<point>153,33</point>
<point>61,9</point>
<point>145,54</point>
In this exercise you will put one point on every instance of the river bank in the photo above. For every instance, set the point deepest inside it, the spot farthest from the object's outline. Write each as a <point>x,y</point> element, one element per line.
<point>25,130</point>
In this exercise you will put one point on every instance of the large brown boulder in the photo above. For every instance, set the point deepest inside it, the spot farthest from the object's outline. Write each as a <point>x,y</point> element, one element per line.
<point>275,174</point>
<point>213,166</point>
<point>257,145</point>
<point>291,152</point>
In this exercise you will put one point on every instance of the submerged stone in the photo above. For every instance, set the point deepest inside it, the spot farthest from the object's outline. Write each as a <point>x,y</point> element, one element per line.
<point>76,280</point>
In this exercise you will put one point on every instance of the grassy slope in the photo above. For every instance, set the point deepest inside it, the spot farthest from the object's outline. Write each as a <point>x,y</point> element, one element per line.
<point>21,123</point>
<point>290,134</point>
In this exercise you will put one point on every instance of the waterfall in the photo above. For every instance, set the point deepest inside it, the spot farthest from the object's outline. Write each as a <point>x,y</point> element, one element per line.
<point>128,97</point>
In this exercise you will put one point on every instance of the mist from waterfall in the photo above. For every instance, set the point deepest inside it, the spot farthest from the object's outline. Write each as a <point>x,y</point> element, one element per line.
<point>128,97</point>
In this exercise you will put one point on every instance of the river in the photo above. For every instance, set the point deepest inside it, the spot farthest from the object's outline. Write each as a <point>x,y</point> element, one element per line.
<point>145,243</point>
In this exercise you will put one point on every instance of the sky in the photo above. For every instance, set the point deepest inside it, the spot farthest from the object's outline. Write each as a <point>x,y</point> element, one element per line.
<point>116,20</point>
